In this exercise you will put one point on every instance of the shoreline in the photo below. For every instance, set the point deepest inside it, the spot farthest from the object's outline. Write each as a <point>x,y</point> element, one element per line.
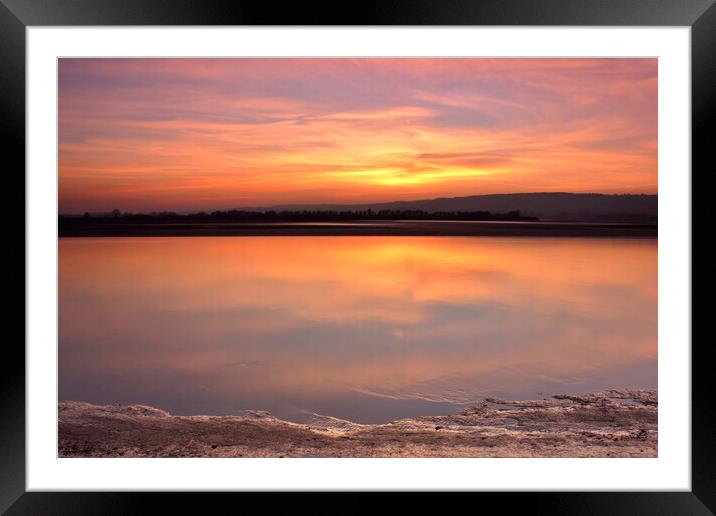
<point>611,423</point>
<point>365,228</point>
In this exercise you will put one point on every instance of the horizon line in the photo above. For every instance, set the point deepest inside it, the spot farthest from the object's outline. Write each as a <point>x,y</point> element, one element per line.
<point>273,206</point>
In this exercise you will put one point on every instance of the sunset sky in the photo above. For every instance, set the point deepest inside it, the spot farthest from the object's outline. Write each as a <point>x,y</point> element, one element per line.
<point>204,134</point>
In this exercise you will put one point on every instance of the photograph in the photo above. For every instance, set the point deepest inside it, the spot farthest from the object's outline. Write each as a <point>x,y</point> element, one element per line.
<point>366,257</point>
<point>408,247</point>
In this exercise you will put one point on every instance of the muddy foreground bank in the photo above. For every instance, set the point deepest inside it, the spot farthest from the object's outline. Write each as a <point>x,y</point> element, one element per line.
<point>614,423</point>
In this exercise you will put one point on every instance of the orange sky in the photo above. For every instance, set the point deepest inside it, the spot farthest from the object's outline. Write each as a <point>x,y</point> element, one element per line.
<point>203,134</point>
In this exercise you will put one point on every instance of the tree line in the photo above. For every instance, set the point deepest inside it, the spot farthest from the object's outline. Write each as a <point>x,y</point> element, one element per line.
<point>299,215</point>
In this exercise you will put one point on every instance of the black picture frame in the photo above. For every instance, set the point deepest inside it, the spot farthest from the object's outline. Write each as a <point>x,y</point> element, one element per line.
<point>17,15</point>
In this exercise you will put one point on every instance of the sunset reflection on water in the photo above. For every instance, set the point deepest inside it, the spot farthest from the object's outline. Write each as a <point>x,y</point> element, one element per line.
<point>364,328</point>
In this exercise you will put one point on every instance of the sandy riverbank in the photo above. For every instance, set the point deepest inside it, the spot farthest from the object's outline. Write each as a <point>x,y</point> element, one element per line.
<point>614,423</point>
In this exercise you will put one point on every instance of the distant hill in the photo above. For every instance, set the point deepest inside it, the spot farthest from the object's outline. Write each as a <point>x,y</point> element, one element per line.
<point>549,205</point>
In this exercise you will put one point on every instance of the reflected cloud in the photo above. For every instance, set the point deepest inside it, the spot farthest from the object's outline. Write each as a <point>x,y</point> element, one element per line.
<point>402,318</point>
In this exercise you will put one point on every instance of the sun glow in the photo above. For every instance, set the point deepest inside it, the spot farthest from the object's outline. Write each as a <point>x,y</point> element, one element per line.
<point>190,134</point>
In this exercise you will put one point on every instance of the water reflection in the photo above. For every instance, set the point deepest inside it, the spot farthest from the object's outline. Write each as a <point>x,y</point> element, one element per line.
<point>366,328</point>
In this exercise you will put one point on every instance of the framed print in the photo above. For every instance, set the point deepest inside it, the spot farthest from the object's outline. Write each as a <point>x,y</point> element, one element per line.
<point>423,248</point>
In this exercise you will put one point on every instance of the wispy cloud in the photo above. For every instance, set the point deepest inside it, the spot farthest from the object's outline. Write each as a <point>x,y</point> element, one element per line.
<point>145,134</point>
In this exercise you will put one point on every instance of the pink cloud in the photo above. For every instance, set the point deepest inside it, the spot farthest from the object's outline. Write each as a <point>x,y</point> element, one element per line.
<point>185,134</point>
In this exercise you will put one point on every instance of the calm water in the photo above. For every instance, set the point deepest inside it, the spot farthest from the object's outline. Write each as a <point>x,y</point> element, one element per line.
<point>363,328</point>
